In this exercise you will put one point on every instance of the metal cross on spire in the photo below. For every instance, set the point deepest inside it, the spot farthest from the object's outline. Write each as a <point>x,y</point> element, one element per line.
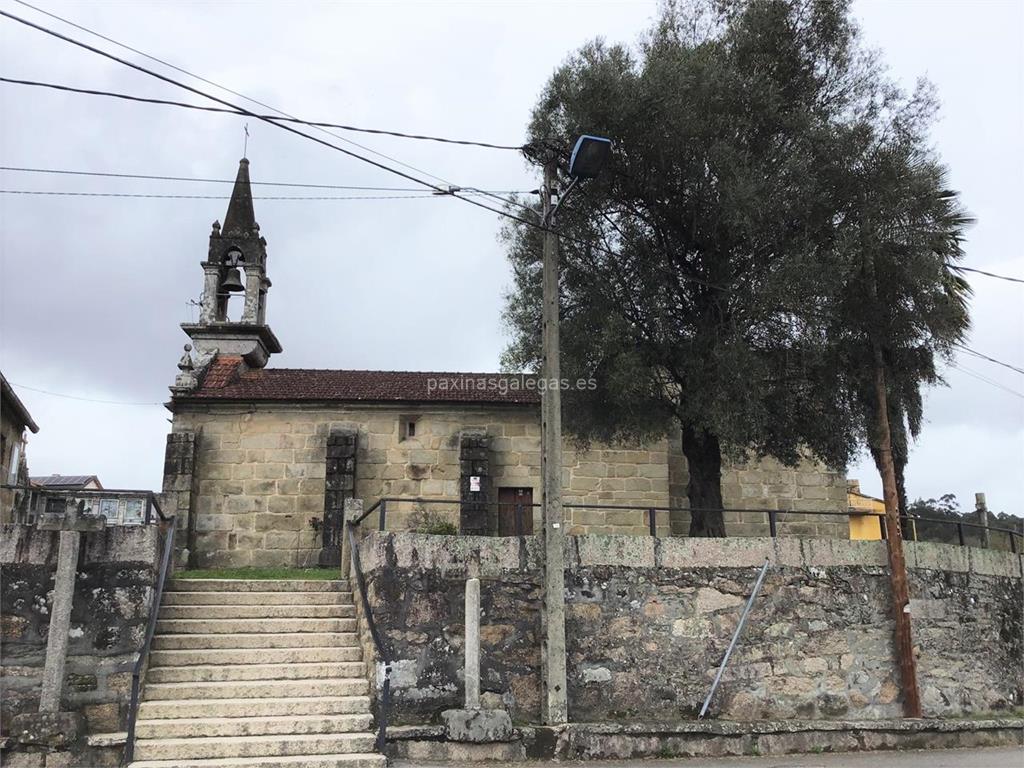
<point>245,144</point>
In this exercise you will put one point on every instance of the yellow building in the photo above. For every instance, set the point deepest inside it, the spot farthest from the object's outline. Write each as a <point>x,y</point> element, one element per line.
<point>864,527</point>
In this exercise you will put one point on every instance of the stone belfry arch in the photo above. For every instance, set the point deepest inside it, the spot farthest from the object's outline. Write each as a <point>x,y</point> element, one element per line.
<point>237,248</point>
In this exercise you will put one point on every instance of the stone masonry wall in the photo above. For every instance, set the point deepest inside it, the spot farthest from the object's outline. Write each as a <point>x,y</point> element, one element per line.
<point>113,592</point>
<point>259,476</point>
<point>649,620</point>
<point>766,484</point>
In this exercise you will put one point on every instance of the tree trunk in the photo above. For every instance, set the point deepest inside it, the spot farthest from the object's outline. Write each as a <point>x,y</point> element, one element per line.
<point>894,544</point>
<point>704,491</point>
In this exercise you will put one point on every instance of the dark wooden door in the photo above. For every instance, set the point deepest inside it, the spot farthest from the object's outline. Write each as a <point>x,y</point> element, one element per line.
<point>509,499</point>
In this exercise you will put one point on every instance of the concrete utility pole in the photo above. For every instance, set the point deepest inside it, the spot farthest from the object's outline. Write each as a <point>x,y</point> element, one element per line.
<point>555,703</point>
<point>982,511</point>
<point>894,543</point>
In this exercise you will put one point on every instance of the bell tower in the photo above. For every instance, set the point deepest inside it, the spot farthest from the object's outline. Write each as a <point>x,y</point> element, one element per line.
<point>236,249</point>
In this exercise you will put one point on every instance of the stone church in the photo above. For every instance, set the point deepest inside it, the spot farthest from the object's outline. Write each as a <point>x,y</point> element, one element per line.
<point>260,459</point>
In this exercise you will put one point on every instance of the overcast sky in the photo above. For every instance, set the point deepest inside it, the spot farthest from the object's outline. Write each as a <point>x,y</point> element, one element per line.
<point>92,289</point>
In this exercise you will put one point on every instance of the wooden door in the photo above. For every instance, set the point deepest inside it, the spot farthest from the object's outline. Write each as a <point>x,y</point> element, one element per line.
<point>508,501</point>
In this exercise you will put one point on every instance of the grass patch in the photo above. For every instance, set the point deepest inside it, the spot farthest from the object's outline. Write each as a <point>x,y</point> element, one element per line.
<point>263,574</point>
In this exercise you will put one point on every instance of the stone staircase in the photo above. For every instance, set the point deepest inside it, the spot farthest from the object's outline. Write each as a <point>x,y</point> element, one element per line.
<point>267,674</point>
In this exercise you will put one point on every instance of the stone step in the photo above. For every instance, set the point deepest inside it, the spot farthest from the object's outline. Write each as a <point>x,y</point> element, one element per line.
<point>256,611</point>
<point>254,689</point>
<point>199,657</point>
<point>251,726</point>
<point>257,598</point>
<point>254,585</point>
<point>244,626</point>
<point>253,746</point>
<point>283,706</point>
<point>292,761</point>
<point>239,641</point>
<point>242,672</point>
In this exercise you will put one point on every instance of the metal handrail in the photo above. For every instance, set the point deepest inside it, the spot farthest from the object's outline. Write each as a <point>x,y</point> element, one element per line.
<point>133,706</point>
<point>773,514</point>
<point>382,652</point>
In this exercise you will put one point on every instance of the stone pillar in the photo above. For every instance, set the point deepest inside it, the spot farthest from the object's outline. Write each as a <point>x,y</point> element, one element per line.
<point>208,301</point>
<point>60,622</point>
<point>473,724</point>
<point>181,489</point>
<point>353,510</point>
<point>253,289</point>
<point>340,485</point>
<point>476,517</point>
<point>472,643</point>
<point>71,524</point>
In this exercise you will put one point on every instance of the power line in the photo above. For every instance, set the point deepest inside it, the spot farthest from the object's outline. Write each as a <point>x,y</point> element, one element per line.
<point>269,121</point>
<point>421,196</point>
<point>108,174</point>
<point>987,274</point>
<point>310,123</point>
<point>979,355</point>
<point>228,90</point>
<point>75,397</point>
<point>985,379</point>
<point>452,191</point>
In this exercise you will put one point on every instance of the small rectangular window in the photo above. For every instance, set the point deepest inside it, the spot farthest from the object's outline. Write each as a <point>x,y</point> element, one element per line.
<point>12,469</point>
<point>407,427</point>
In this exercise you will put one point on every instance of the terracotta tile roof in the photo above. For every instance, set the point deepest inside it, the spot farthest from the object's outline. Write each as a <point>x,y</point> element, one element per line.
<point>224,381</point>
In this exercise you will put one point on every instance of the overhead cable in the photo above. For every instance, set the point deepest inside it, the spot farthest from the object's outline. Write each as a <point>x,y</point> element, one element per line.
<point>297,120</point>
<point>144,176</point>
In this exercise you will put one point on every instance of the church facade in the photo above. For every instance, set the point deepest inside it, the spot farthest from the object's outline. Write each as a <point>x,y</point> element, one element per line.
<point>260,460</point>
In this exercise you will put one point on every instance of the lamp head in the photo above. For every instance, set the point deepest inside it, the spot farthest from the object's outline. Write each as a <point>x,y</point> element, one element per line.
<point>589,156</point>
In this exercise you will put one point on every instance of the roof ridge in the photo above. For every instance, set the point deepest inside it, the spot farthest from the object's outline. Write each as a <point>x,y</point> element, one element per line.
<point>396,370</point>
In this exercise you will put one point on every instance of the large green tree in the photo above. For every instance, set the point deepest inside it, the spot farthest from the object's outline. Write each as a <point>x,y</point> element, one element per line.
<point>699,274</point>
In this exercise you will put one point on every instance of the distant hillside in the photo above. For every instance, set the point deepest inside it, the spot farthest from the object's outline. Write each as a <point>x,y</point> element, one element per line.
<point>947,508</point>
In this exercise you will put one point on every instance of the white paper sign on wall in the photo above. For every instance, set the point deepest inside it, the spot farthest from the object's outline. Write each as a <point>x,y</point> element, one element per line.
<point>474,483</point>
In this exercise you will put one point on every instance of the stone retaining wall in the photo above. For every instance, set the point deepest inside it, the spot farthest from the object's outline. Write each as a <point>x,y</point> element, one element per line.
<point>706,738</point>
<point>113,594</point>
<point>648,620</point>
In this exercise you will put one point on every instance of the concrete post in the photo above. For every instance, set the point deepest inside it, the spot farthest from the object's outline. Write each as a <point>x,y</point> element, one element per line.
<point>554,704</point>
<point>60,621</point>
<point>473,643</point>
<point>981,508</point>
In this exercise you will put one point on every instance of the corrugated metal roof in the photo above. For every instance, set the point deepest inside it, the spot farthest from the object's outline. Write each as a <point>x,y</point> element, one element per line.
<point>74,482</point>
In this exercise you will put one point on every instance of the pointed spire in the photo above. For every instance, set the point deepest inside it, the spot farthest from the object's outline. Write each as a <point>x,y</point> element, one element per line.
<point>240,220</point>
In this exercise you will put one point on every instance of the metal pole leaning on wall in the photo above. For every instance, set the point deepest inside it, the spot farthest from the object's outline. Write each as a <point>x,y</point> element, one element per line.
<point>735,638</point>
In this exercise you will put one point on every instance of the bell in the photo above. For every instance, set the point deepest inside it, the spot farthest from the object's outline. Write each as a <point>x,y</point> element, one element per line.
<point>233,280</point>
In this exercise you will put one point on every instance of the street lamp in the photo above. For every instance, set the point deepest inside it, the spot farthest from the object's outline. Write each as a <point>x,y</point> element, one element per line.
<point>588,156</point>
